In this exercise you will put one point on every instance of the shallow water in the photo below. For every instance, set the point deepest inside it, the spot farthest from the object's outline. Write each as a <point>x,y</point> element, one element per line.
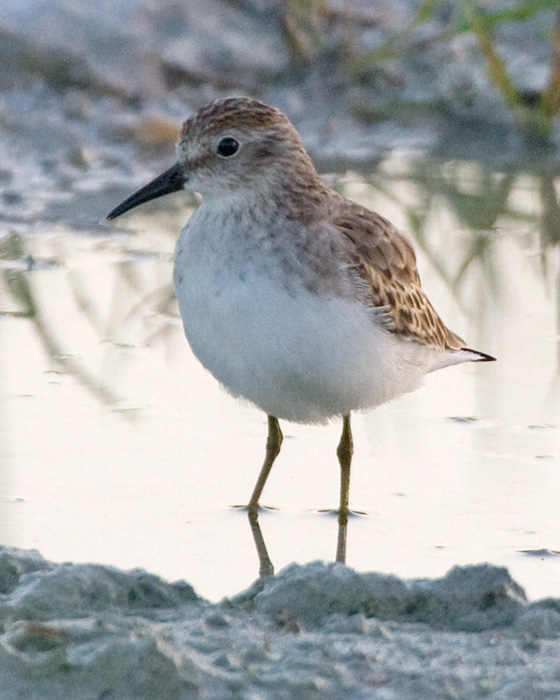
<point>118,448</point>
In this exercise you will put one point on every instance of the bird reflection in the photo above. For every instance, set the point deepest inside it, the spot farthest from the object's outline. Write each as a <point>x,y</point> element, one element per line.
<point>266,567</point>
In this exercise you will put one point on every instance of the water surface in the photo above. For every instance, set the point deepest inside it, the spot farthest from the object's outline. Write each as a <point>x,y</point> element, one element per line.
<point>118,448</point>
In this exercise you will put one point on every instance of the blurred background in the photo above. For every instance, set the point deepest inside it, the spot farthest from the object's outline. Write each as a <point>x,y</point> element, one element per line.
<point>115,446</point>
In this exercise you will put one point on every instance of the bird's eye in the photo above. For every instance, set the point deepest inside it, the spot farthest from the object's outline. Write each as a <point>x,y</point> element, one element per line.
<point>228,146</point>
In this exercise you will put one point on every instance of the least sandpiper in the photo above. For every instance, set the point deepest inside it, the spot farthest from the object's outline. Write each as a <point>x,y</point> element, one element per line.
<point>295,298</point>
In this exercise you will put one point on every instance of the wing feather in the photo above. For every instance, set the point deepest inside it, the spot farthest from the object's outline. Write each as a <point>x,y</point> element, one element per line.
<point>384,259</point>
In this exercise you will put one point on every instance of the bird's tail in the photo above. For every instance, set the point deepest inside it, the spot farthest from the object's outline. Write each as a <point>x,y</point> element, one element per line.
<point>479,356</point>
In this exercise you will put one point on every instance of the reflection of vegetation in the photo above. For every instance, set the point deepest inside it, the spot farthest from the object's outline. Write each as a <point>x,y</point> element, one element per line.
<point>17,278</point>
<point>550,220</point>
<point>550,234</point>
<point>19,284</point>
<point>477,200</point>
<point>477,209</point>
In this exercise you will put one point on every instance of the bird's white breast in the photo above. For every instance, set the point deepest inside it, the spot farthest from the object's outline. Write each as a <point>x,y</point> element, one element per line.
<point>294,353</point>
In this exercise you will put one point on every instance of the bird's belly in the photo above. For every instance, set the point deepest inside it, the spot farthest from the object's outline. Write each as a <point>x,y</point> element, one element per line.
<point>295,354</point>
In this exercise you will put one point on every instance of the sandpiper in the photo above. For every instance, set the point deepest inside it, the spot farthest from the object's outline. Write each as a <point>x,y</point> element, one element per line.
<point>295,298</point>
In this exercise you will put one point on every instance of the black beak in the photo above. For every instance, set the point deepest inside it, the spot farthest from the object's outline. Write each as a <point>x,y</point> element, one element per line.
<point>170,181</point>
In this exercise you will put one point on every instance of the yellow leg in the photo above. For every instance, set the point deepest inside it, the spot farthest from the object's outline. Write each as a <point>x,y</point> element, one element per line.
<point>344,452</point>
<point>273,444</point>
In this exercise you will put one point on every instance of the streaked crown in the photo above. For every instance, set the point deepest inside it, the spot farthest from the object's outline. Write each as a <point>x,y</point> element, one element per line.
<point>239,143</point>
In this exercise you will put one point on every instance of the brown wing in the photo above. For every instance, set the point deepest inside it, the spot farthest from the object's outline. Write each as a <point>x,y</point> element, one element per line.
<point>385,260</point>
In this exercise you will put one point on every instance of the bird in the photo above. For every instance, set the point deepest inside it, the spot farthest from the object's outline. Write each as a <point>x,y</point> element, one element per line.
<point>298,300</point>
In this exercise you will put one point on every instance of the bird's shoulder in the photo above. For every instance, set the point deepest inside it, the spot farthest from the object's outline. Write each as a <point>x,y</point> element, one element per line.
<point>374,240</point>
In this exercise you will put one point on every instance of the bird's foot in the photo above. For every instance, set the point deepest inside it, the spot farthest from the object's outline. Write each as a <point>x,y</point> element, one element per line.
<point>255,510</point>
<point>337,512</point>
